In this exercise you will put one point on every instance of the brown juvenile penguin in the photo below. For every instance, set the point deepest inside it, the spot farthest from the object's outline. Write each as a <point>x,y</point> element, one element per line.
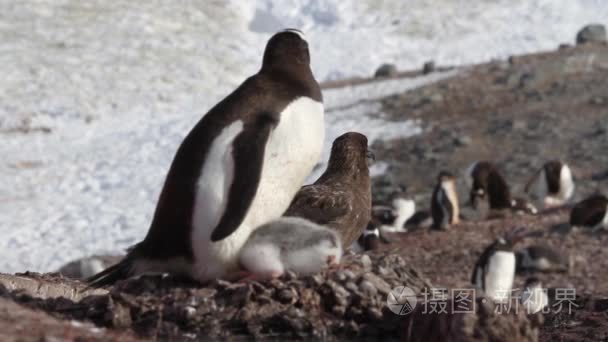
<point>485,181</point>
<point>341,198</point>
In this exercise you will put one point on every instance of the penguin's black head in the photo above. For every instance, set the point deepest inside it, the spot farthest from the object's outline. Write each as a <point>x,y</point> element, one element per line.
<point>445,176</point>
<point>288,47</point>
<point>532,282</point>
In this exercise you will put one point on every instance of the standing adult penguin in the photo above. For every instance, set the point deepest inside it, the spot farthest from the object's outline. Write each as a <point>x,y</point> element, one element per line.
<point>495,269</point>
<point>444,202</point>
<point>237,169</point>
<point>554,184</point>
<point>342,197</point>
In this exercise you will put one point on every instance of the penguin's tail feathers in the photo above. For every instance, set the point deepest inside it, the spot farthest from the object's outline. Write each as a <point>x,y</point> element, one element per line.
<point>112,274</point>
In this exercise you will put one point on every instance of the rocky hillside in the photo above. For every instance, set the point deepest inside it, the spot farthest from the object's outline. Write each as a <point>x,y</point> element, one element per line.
<point>518,113</point>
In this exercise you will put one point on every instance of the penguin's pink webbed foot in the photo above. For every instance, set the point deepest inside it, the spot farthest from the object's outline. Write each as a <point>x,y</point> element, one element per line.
<point>333,265</point>
<point>251,276</point>
<point>236,276</point>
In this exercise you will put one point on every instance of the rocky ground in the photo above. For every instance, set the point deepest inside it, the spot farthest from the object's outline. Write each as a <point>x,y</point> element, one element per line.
<point>518,113</point>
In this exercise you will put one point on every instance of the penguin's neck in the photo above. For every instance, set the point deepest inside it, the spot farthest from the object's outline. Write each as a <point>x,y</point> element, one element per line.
<point>343,170</point>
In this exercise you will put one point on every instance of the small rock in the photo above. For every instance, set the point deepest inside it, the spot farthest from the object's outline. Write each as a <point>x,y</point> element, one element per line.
<point>591,33</point>
<point>374,313</point>
<point>287,296</point>
<point>351,286</point>
<point>384,271</point>
<point>366,262</point>
<point>386,70</point>
<point>338,310</point>
<point>435,98</point>
<point>564,46</point>
<point>368,288</point>
<point>598,100</point>
<point>290,275</point>
<point>349,274</point>
<point>463,140</point>
<point>428,67</point>
<point>318,279</point>
<point>340,276</point>
<point>189,311</point>
<point>379,283</point>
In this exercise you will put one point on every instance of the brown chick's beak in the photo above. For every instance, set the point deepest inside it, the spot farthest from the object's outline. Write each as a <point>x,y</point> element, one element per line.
<point>371,156</point>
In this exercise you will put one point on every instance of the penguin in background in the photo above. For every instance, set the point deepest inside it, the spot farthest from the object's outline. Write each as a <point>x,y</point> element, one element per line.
<point>533,297</point>
<point>485,182</point>
<point>591,212</point>
<point>392,216</point>
<point>494,271</point>
<point>237,169</point>
<point>444,202</point>
<point>369,240</point>
<point>541,258</point>
<point>523,206</point>
<point>553,184</point>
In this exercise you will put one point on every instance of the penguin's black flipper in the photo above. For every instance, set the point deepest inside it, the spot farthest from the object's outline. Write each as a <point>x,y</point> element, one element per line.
<point>248,153</point>
<point>112,274</point>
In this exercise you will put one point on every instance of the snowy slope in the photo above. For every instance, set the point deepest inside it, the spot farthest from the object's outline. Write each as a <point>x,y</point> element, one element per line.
<point>119,83</point>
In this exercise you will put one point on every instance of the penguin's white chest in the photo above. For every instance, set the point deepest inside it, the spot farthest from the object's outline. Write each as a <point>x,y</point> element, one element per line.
<point>499,275</point>
<point>292,149</point>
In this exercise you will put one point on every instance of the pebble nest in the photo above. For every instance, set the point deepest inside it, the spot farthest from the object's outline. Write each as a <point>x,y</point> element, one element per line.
<point>348,302</point>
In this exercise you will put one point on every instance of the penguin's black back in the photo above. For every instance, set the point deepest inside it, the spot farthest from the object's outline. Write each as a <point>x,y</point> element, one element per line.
<point>487,177</point>
<point>258,102</point>
<point>553,170</point>
<point>589,212</point>
<point>484,258</point>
